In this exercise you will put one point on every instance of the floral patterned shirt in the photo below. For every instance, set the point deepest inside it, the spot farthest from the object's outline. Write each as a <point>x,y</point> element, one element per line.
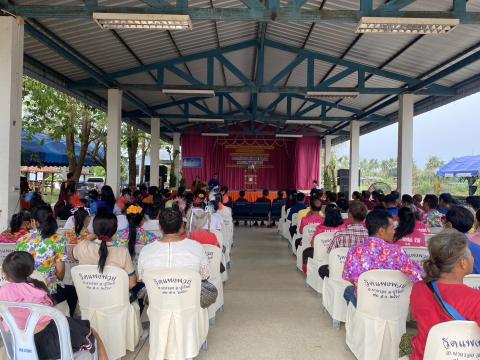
<point>433,219</point>
<point>376,254</point>
<point>46,252</point>
<point>73,238</point>
<point>8,237</point>
<point>144,237</point>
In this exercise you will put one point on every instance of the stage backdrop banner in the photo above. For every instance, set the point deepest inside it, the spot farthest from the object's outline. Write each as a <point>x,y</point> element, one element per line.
<point>274,160</point>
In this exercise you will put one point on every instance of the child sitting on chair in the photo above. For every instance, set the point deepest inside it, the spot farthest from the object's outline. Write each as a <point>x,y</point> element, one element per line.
<point>17,267</point>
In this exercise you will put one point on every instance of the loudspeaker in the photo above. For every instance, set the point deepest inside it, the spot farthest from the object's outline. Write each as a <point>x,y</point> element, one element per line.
<point>343,179</point>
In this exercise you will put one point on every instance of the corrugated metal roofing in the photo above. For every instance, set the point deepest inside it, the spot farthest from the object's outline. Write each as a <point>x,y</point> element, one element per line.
<point>410,55</point>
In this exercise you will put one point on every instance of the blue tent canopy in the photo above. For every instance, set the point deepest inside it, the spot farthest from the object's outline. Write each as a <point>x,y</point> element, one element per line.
<point>42,150</point>
<point>466,166</point>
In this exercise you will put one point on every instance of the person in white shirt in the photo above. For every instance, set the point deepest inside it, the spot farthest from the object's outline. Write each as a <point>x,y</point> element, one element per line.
<point>121,220</point>
<point>171,251</point>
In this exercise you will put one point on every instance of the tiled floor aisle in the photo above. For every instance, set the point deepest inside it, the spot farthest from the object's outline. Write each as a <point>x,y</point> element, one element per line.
<point>269,314</point>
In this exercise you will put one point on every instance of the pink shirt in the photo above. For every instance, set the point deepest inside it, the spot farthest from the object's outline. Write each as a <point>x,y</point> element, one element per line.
<point>27,293</point>
<point>323,229</point>
<point>311,219</point>
<point>475,237</point>
<point>421,227</point>
<point>416,238</point>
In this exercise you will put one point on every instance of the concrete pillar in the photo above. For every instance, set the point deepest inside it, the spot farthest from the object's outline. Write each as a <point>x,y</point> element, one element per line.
<point>11,71</point>
<point>354,157</point>
<point>405,145</point>
<point>154,151</point>
<point>178,163</point>
<point>114,133</point>
<point>328,151</point>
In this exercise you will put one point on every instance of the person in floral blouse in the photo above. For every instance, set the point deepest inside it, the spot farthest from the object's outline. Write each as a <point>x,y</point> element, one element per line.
<point>20,225</point>
<point>432,217</point>
<point>134,234</point>
<point>81,219</point>
<point>378,252</point>
<point>49,251</point>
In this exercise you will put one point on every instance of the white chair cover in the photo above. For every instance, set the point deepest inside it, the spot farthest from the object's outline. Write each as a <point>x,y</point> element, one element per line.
<point>214,256</point>
<point>417,253</point>
<point>104,301</point>
<point>220,240</point>
<point>334,286</point>
<point>453,340</point>
<point>281,221</point>
<point>6,249</point>
<point>307,235</point>
<point>286,226</point>
<point>374,328</point>
<point>178,325</point>
<point>320,257</point>
<point>472,280</point>
<point>429,236</point>
<point>20,344</point>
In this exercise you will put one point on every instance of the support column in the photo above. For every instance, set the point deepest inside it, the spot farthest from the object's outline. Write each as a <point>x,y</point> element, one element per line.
<point>354,180</point>
<point>11,71</point>
<point>405,145</point>
<point>154,151</point>
<point>114,133</point>
<point>328,151</point>
<point>178,163</point>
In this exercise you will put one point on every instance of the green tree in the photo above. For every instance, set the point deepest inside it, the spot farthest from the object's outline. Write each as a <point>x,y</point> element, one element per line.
<point>434,163</point>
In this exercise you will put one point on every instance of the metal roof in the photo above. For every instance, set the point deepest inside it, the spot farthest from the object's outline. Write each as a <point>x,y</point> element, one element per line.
<point>303,45</point>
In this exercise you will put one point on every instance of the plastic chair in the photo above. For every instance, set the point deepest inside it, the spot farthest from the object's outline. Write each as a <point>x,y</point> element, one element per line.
<point>20,344</point>
<point>6,249</point>
<point>374,328</point>
<point>178,325</point>
<point>453,340</point>
<point>320,257</point>
<point>214,256</point>
<point>260,211</point>
<point>104,301</point>
<point>307,235</point>
<point>334,286</point>
<point>241,211</point>
<point>472,280</point>
<point>417,253</point>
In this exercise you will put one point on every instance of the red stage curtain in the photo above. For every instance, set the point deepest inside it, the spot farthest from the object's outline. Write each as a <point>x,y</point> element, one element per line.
<point>280,166</point>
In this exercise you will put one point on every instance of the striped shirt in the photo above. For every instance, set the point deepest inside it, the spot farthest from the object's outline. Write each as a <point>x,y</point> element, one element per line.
<point>353,234</point>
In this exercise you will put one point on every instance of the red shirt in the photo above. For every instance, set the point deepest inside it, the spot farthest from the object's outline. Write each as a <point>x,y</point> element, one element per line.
<point>311,219</point>
<point>428,313</point>
<point>421,227</point>
<point>416,238</point>
<point>323,228</point>
<point>204,237</point>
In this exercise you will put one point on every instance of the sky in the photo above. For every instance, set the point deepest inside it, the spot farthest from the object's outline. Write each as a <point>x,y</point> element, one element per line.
<point>448,131</point>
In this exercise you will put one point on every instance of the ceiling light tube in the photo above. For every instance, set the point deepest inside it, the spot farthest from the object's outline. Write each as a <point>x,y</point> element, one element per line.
<point>206,120</point>
<point>304,122</point>
<point>288,135</point>
<point>142,21</point>
<point>331,94</point>
<point>393,25</point>
<point>214,134</point>
<point>198,92</point>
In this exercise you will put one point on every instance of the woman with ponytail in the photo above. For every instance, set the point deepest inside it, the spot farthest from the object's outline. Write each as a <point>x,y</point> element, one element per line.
<point>20,225</point>
<point>101,251</point>
<point>134,234</point>
<point>406,233</point>
<point>81,221</point>
<point>450,261</point>
<point>17,268</point>
<point>49,251</point>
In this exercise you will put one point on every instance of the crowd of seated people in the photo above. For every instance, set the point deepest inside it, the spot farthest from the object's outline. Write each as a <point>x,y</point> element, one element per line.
<point>169,228</point>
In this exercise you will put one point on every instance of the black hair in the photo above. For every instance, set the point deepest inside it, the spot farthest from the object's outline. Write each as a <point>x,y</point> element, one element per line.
<point>126,191</point>
<point>333,217</point>
<point>406,223</point>
<point>366,194</point>
<point>332,197</point>
<point>376,220</point>
<point>142,187</point>
<point>474,202</point>
<point>431,200</point>
<point>407,199</point>
<point>18,266</point>
<point>171,221</point>
<point>315,206</point>
<point>395,194</point>
<point>461,218</point>
<point>43,214</point>
<point>342,203</point>
<point>280,194</point>
<point>300,197</point>
<point>356,195</point>
<point>181,191</point>
<point>107,195</point>
<point>447,198</point>
<point>265,192</point>
<point>93,194</point>
<point>241,193</point>
<point>134,221</point>
<point>152,190</point>
<point>389,199</point>
<point>80,216</point>
<point>104,226</point>
<point>18,220</point>
<point>341,195</point>
<point>69,175</point>
<point>137,194</point>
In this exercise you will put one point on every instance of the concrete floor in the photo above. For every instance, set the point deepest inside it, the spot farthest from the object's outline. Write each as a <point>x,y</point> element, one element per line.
<point>269,313</point>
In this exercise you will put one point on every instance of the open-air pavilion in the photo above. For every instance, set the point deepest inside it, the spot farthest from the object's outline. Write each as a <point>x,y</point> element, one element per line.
<point>264,68</point>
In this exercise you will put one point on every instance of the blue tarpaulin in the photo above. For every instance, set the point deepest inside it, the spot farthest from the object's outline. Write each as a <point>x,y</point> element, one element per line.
<point>466,166</point>
<point>42,150</point>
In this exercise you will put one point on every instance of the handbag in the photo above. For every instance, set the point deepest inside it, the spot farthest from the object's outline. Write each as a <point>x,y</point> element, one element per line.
<point>208,294</point>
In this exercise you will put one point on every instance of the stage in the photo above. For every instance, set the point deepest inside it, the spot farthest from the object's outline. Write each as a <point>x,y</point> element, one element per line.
<point>252,196</point>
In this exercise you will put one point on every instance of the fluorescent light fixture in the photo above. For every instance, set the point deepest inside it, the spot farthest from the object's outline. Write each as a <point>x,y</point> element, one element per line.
<point>143,21</point>
<point>406,25</point>
<point>331,94</point>
<point>197,92</point>
<point>206,120</point>
<point>214,134</point>
<point>304,122</point>
<point>288,135</point>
